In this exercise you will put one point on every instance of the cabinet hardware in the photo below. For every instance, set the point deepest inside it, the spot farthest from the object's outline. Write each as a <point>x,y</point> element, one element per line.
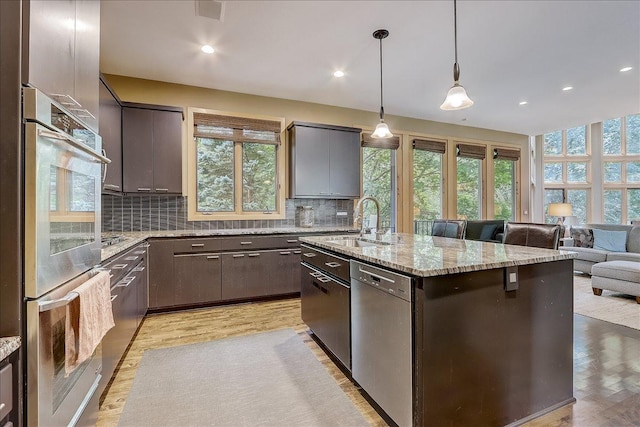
<point>315,274</point>
<point>292,240</point>
<point>197,245</point>
<point>138,269</point>
<point>285,253</point>
<point>213,257</point>
<point>323,192</point>
<point>162,189</point>
<point>254,255</point>
<point>324,279</point>
<point>143,189</point>
<point>332,264</point>
<point>238,256</point>
<point>297,252</point>
<point>119,266</point>
<point>104,171</point>
<point>309,254</point>
<point>114,297</point>
<point>73,142</point>
<point>111,186</point>
<point>246,243</point>
<point>131,258</point>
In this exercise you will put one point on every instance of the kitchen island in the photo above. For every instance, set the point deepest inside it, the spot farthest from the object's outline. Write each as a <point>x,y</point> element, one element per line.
<point>491,325</point>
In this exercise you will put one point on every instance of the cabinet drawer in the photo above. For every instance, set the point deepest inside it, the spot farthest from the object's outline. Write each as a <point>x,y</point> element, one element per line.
<point>119,265</point>
<point>6,390</point>
<point>253,242</point>
<point>189,246</point>
<point>327,262</point>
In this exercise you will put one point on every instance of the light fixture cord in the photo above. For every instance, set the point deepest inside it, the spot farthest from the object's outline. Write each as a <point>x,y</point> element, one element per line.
<point>381,104</point>
<point>456,68</point>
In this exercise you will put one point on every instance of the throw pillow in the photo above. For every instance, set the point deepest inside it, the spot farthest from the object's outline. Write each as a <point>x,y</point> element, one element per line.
<point>487,231</point>
<point>582,237</point>
<point>634,239</point>
<point>606,240</point>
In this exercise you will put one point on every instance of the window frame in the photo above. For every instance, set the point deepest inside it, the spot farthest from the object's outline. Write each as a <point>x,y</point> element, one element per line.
<point>238,213</point>
<point>491,198</point>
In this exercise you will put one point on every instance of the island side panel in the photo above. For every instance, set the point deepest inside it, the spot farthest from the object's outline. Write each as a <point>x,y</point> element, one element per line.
<point>486,356</point>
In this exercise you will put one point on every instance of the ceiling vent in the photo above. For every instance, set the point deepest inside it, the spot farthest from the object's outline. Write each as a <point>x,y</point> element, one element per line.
<point>210,9</point>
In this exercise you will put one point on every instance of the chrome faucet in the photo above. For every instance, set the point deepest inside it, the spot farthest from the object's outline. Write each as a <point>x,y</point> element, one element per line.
<point>357,214</point>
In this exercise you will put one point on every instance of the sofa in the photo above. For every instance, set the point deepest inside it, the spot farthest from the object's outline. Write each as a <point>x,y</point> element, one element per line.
<point>595,243</point>
<point>488,230</point>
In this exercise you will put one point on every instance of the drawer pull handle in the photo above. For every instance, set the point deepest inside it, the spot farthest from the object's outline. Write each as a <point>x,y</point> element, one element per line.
<point>162,189</point>
<point>238,256</point>
<point>213,257</point>
<point>119,266</point>
<point>315,274</point>
<point>114,297</point>
<point>131,258</point>
<point>138,269</point>
<point>297,252</point>
<point>246,243</point>
<point>144,189</point>
<point>254,255</point>
<point>292,241</point>
<point>197,245</point>
<point>285,253</point>
<point>309,254</point>
<point>324,279</point>
<point>332,264</point>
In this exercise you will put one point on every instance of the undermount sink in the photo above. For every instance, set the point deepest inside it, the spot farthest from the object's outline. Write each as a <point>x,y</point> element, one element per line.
<point>357,242</point>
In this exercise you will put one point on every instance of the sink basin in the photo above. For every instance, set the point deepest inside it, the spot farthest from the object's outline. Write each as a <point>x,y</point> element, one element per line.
<point>356,242</point>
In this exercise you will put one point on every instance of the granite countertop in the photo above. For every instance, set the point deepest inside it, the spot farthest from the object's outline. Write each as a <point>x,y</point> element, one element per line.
<point>8,345</point>
<point>426,256</point>
<point>130,239</point>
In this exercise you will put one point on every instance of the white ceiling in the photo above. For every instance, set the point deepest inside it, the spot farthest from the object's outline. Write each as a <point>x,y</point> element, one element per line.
<point>508,51</point>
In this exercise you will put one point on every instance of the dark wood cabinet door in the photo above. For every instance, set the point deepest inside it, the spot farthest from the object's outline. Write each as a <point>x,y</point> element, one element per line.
<point>87,61</point>
<point>310,162</point>
<point>111,132</point>
<point>137,149</point>
<point>167,152</point>
<point>285,276</point>
<point>248,274</point>
<point>161,284</point>
<point>197,278</point>
<point>344,164</point>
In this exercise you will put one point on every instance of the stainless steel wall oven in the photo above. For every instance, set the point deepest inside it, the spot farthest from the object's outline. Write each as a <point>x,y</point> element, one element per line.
<point>63,168</point>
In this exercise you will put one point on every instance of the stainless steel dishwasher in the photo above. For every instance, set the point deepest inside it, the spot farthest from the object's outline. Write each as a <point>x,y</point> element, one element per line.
<point>381,345</point>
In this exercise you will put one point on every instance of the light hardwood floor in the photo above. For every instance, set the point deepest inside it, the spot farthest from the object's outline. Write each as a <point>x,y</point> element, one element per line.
<point>606,361</point>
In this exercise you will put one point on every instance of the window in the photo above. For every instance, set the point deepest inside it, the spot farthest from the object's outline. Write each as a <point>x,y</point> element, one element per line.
<point>505,183</point>
<point>567,174</point>
<point>236,166</point>
<point>428,172</point>
<point>379,179</point>
<point>621,169</point>
<point>469,174</point>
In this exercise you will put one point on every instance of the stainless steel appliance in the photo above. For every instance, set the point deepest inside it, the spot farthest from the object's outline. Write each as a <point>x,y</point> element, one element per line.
<point>62,194</point>
<point>62,247</point>
<point>381,344</point>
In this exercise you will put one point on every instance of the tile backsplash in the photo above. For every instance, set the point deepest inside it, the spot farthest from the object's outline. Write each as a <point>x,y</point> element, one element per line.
<point>150,212</point>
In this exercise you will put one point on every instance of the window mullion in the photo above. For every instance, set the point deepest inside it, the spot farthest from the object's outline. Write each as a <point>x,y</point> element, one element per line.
<point>237,176</point>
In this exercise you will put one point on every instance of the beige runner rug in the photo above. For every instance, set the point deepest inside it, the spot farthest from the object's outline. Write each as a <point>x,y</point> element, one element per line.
<point>612,306</point>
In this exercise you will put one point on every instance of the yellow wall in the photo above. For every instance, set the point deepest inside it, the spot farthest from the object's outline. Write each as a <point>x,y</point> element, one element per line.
<point>154,92</point>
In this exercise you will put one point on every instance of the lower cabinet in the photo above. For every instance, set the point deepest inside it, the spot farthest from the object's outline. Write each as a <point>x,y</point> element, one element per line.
<point>325,308</point>
<point>196,278</point>
<point>185,272</point>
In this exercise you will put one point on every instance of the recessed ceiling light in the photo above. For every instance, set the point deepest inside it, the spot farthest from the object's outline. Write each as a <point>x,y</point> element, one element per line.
<point>622,70</point>
<point>523,102</point>
<point>566,88</point>
<point>338,73</point>
<point>207,49</point>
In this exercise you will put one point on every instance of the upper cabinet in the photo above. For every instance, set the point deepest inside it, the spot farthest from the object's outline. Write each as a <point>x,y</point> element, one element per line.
<point>324,161</point>
<point>152,149</point>
<point>62,53</point>
<point>111,133</point>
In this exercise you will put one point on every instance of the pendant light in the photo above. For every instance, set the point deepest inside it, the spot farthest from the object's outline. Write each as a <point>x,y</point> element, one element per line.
<point>382,130</point>
<point>457,97</point>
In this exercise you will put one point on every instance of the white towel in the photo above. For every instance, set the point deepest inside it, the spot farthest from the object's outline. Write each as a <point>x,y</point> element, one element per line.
<point>89,317</point>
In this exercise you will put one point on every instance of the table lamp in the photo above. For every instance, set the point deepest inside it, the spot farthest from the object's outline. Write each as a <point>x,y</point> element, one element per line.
<point>560,210</point>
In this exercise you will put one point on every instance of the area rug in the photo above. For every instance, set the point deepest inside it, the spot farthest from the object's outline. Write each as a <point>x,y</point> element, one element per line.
<point>267,379</point>
<point>612,306</point>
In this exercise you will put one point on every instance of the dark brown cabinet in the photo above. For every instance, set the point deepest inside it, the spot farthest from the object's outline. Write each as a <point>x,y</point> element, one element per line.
<point>325,161</point>
<point>152,149</point>
<point>63,60</point>
<point>199,271</point>
<point>111,133</point>
<point>197,278</point>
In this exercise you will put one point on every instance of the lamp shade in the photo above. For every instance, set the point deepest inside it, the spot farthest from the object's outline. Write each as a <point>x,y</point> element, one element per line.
<point>456,99</point>
<point>382,131</point>
<point>560,209</point>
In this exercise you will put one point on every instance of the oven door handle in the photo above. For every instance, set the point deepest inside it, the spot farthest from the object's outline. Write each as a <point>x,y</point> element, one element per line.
<point>61,302</point>
<point>73,142</point>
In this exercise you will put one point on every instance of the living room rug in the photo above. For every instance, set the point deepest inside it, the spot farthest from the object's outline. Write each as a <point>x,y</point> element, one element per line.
<point>611,306</point>
<point>266,379</point>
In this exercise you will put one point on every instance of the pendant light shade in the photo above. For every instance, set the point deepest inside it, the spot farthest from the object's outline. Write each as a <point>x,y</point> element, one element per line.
<point>382,129</point>
<point>457,97</point>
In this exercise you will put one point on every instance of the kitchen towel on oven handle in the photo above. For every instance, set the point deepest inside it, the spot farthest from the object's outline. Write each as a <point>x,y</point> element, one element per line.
<point>89,318</point>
